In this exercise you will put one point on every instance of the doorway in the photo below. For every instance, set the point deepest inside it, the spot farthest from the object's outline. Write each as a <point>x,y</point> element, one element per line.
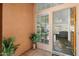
<point>64,33</point>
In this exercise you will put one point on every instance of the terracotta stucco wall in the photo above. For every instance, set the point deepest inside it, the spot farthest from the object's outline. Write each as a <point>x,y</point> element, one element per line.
<point>18,21</point>
<point>0,27</point>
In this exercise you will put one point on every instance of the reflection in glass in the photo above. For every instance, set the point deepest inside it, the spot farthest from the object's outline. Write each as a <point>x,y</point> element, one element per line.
<point>63,25</point>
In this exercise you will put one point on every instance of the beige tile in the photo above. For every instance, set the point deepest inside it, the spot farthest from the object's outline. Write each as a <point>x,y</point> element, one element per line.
<point>37,52</point>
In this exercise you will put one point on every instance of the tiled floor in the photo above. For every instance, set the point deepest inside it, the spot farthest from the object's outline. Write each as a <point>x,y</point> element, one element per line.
<point>37,52</point>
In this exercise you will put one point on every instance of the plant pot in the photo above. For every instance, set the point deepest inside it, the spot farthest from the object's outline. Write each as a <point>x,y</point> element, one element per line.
<point>34,45</point>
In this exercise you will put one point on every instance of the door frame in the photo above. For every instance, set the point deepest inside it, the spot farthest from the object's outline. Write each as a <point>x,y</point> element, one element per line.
<point>49,11</point>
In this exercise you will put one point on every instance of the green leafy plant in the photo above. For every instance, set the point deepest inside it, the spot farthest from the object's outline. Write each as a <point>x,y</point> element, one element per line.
<point>36,37</point>
<point>8,48</point>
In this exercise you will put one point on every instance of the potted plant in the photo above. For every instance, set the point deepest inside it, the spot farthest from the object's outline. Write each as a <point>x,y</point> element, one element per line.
<point>35,38</point>
<point>8,48</point>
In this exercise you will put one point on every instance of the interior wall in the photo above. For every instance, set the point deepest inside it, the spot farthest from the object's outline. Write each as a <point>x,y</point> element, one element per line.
<point>60,20</point>
<point>18,21</point>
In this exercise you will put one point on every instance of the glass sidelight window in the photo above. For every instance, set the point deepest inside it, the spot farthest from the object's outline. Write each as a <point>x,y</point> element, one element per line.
<point>42,6</point>
<point>42,28</point>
